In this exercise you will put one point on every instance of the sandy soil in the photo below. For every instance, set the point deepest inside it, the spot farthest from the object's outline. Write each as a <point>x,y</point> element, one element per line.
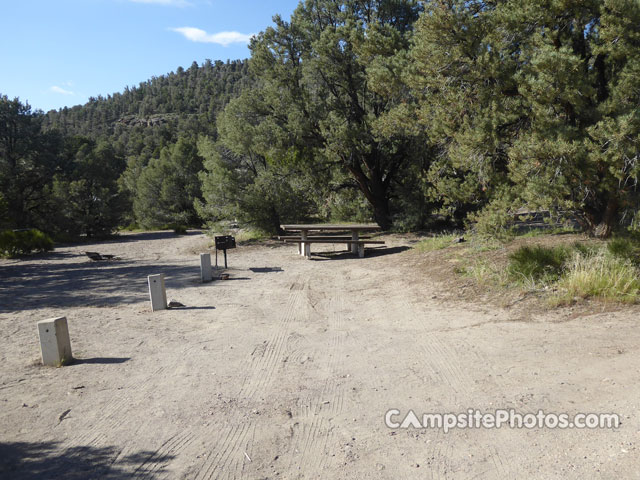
<point>287,370</point>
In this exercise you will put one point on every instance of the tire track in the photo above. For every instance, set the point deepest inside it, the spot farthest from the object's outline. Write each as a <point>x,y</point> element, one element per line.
<point>154,464</point>
<point>443,364</point>
<point>112,417</point>
<point>265,365</point>
<point>313,433</point>
<point>229,456</point>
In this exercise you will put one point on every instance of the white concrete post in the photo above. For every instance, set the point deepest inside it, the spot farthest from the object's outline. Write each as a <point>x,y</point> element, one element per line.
<point>354,236</point>
<point>55,344</point>
<point>361,250</point>
<point>303,245</point>
<point>307,250</point>
<point>205,267</point>
<point>157,292</point>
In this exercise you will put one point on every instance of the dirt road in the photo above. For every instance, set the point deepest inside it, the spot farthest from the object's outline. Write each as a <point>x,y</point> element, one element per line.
<point>287,370</point>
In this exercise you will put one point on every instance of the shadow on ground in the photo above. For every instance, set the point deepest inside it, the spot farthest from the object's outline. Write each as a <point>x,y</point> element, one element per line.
<point>130,237</point>
<point>27,286</point>
<point>100,360</point>
<point>48,460</point>
<point>370,252</point>
<point>266,269</point>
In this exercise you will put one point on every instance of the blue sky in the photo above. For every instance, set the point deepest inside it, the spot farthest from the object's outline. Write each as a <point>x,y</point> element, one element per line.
<point>56,53</point>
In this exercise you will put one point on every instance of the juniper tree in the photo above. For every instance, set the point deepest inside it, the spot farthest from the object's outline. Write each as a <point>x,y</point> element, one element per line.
<point>312,73</point>
<point>532,103</point>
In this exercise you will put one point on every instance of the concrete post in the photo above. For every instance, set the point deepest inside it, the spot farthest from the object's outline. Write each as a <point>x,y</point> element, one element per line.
<point>157,292</point>
<point>205,267</point>
<point>354,236</point>
<point>303,245</point>
<point>55,344</point>
<point>307,250</point>
<point>361,250</point>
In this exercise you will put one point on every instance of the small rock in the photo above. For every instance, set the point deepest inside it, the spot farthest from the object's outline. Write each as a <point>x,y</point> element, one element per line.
<point>174,304</point>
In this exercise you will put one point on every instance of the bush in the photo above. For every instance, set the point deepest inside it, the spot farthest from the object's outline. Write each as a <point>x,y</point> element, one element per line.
<point>23,242</point>
<point>536,263</point>
<point>625,249</point>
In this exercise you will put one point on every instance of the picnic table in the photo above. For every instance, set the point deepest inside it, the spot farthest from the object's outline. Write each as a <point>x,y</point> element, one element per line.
<point>355,244</point>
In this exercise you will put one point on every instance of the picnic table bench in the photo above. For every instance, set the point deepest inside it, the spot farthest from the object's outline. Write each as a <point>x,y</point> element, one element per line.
<point>355,243</point>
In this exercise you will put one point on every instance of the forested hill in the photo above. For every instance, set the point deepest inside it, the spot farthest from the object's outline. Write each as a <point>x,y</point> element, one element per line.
<point>130,157</point>
<point>185,100</point>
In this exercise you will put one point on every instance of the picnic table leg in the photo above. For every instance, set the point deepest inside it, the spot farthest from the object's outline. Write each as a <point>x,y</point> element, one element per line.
<point>303,237</point>
<point>354,236</point>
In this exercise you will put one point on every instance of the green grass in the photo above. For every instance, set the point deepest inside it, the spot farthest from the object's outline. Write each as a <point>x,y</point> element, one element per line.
<point>604,275</point>
<point>435,243</point>
<point>607,271</point>
<point>532,264</point>
<point>570,271</point>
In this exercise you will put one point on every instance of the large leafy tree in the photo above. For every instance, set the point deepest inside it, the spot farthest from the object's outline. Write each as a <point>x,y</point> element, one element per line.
<point>532,103</point>
<point>315,78</point>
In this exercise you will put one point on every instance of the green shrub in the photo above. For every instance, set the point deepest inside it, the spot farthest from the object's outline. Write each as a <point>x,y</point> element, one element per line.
<point>23,242</point>
<point>536,263</point>
<point>624,248</point>
<point>179,229</point>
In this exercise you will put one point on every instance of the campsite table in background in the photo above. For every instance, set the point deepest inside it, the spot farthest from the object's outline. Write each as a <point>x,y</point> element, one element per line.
<point>355,229</point>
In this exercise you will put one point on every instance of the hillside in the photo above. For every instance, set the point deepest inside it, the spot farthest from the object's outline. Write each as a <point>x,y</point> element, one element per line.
<point>162,108</point>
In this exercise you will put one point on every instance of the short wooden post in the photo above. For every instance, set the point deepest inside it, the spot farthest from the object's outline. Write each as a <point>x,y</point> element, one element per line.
<point>55,344</point>
<point>157,292</point>
<point>205,267</point>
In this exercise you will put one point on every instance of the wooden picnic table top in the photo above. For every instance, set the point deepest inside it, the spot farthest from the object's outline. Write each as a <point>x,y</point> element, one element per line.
<point>332,226</point>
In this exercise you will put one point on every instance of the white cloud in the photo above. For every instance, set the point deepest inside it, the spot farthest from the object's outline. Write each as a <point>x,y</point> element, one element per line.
<point>221,38</point>
<point>60,90</point>
<point>173,3</point>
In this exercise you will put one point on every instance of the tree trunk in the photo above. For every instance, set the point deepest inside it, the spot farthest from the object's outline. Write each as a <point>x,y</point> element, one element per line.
<point>275,220</point>
<point>376,192</point>
<point>607,221</point>
<point>381,213</point>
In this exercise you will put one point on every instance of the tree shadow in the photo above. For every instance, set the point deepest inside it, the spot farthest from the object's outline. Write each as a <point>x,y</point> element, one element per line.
<point>370,253</point>
<point>49,460</point>
<point>129,237</point>
<point>22,286</point>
